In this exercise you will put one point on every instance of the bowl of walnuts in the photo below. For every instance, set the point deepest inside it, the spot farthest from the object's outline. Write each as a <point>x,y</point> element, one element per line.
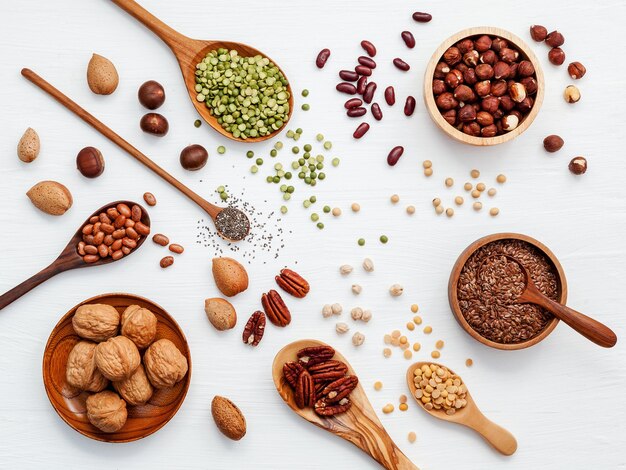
<point>483,86</point>
<point>117,367</point>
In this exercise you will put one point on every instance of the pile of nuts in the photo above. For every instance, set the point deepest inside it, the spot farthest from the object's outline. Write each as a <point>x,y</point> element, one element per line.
<point>319,381</point>
<point>102,358</point>
<point>438,388</point>
<point>114,232</point>
<point>484,86</point>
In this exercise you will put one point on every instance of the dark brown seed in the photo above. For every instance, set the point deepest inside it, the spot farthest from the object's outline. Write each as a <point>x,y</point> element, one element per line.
<point>369,48</point>
<point>151,94</point>
<point>402,65</point>
<point>347,88</point>
<point>555,39</point>
<point>395,155</point>
<point>556,56</point>
<point>576,70</point>
<point>176,248</point>
<point>578,165</point>
<point>376,111</point>
<point>408,39</point>
<point>166,262</point>
<point>322,57</point>
<point>348,75</point>
<point>363,70</point>
<point>367,62</point>
<point>421,17</point>
<point>361,130</point>
<point>193,157</point>
<point>390,96</point>
<point>538,32</point>
<point>368,95</point>
<point>553,143</point>
<point>361,85</point>
<point>356,112</point>
<point>155,124</point>
<point>254,329</point>
<point>150,199</point>
<point>353,103</point>
<point>160,239</point>
<point>409,106</point>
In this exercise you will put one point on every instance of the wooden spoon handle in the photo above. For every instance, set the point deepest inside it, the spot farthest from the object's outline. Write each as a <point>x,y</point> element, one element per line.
<point>501,439</point>
<point>28,285</point>
<point>98,125</point>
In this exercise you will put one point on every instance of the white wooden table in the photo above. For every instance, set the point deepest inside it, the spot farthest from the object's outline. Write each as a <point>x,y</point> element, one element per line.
<point>562,399</point>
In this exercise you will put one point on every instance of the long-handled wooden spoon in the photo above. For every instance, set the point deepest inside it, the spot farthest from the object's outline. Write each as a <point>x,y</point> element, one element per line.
<point>470,416</point>
<point>69,258</point>
<point>189,52</point>
<point>231,223</point>
<point>591,329</point>
<point>359,425</point>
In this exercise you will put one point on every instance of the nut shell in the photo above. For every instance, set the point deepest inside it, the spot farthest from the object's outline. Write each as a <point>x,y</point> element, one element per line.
<point>29,146</point>
<point>102,76</point>
<point>97,322</point>
<point>220,313</point>
<point>106,411</point>
<point>139,325</point>
<point>117,358</point>
<point>81,371</point>
<point>165,364</point>
<point>50,197</point>
<point>228,418</point>
<point>230,276</point>
<point>137,389</point>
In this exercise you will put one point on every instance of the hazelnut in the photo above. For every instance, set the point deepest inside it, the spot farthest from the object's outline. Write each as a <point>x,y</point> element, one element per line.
<point>155,124</point>
<point>97,322</point>
<point>465,45</point>
<point>467,114</point>
<point>469,77</point>
<point>483,43</point>
<point>498,44</point>
<point>484,71</point>
<point>139,325</point>
<point>472,128</point>
<point>553,143</point>
<point>571,94</point>
<point>509,122</point>
<point>151,94</point>
<point>556,56</point>
<point>538,32</point>
<point>517,92</point>
<point>489,131</point>
<point>499,88</point>
<point>439,87</point>
<point>498,113</point>
<point>483,88</point>
<point>441,69</point>
<point>508,55</point>
<point>81,371</point>
<point>490,104</point>
<point>578,165</point>
<point>530,84</point>
<point>513,70</point>
<point>450,116</point>
<point>471,58</point>
<point>525,69</point>
<point>501,70</point>
<point>452,56</point>
<point>576,70</point>
<point>193,157</point>
<point>454,78</point>
<point>461,67</point>
<point>526,104</point>
<point>446,101</point>
<point>117,358</point>
<point>464,93</point>
<point>507,103</point>
<point>135,390</point>
<point>555,39</point>
<point>489,57</point>
<point>165,364</point>
<point>106,411</point>
<point>89,162</point>
<point>484,118</point>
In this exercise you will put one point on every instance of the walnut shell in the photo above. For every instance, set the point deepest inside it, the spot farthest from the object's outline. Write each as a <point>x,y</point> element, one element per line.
<point>165,364</point>
<point>81,371</point>
<point>136,389</point>
<point>106,411</point>
<point>230,276</point>
<point>97,322</point>
<point>117,358</point>
<point>139,325</point>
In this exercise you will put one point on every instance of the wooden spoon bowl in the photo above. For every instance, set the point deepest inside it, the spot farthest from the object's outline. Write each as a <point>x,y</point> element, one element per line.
<point>470,416</point>
<point>69,403</point>
<point>359,425</point>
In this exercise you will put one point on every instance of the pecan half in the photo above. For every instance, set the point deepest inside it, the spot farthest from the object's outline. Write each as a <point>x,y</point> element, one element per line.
<point>315,355</point>
<point>305,390</point>
<point>254,329</point>
<point>292,283</point>
<point>323,408</point>
<point>328,371</point>
<point>275,308</point>
<point>291,372</point>
<point>336,391</point>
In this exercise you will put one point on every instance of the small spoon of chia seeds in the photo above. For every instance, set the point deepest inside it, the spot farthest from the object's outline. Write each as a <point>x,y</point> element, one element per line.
<point>506,276</point>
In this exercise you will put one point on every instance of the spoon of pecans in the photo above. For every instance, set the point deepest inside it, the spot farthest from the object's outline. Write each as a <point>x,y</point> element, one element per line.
<point>110,234</point>
<point>327,394</point>
<point>442,394</point>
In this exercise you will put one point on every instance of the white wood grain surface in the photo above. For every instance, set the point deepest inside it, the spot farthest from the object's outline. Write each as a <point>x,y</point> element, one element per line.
<point>562,399</point>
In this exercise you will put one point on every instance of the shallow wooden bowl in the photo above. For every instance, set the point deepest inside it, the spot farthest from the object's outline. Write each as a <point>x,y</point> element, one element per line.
<point>456,272</point>
<point>69,403</point>
<point>429,98</point>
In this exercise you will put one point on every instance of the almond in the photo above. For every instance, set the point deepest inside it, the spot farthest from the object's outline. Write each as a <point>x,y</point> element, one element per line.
<point>220,313</point>
<point>50,197</point>
<point>228,418</point>
<point>102,76</point>
<point>29,145</point>
<point>230,276</point>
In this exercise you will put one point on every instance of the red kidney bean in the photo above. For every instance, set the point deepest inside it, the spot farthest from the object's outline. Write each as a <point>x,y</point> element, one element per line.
<point>322,57</point>
<point>353,103</point>
<point>360,85</point>
<point>390,96</point>
<point>363,70</point>
<point>369,48</point>
<point>368,95</point>
<point>367,62</point>
<point>402,65</point>
<point>356,112</point>
<point>377,112</point>
<point>421,17</point>
<point>348,75</point>
<point>395,155</point>
<point>408,39</point>
<point>348,88</point>
<point>361,130</point>
<point>409,106</point>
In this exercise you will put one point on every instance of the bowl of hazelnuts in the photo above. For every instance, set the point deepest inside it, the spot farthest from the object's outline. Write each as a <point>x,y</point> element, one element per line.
<point>483,86</point>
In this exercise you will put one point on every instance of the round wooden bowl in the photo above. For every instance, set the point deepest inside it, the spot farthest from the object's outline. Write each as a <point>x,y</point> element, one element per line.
<point>429,98</point>
<point>69,403</point>
<point>456,272</point>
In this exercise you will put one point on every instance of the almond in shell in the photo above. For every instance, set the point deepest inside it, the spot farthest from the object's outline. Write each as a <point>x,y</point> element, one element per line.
<point>102,76</point>
<point>220,313</point>
<point>228,418</point>
<point>29,145</point>
<point>50,197</point>
<point>230,276</point>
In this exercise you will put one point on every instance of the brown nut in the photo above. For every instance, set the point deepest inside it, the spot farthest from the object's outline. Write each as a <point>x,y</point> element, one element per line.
<point>117,358</point>
<point>517,92</point>
<point>28,146</point>
<point>471,58</point>
<point>490,104</point>
<point>553,143</point>
<point>137,389</point>
<point>484,71</point>
<point>499,87</point>
<point>446,101</point>
<point>165,364</point>
<point>578,165</point>
<point>228,418</point>
<point>81,371</point>
<point>497,44</point>
<point>230,276</point>
<point>508,55</point>
<point>465,45</point>
<point>254,329</point>
<point>102,76</point>
<point>89,162</point>
<point>176,248</point>
<point>483,43</point>
<point>454,78</point>
<point>97,322</point>
<point>483,88</point>
<point>530,83</point>
<point>467,114</point>
<point>151,94</point>
<point>50,197</point>
<point>576,70</point>
<point>450,116</point>
<point>489,131</point>
<point>441,69</point>
<point>155,124</point>
<point>106,411</point>
<point>571,94</point>
<point>472,128</point>
<point>220,313</point>
<point>484,118</point>
<point>538,33</point>
<point>469,77</point>
<point>139,325</point>
<point>452,56</point>
<point>510,122</point>
<point>556,56</point>
<point>464,93</point>
<point>555,39</point>
<point>525,69</point>
<point>193,157</point>
<point>526,105</point>
<point>501,70</point>
<point>489,57</point>
<point>439,87</point>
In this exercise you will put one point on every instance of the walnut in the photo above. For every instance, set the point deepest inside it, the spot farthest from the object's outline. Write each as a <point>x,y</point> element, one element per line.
<point>139,325</point>
<point>165,364</point>
<point>81,371</point>
<point>117,358</point>
<point>136,389</point>
<point>97,322</point>
<point>106,411</point>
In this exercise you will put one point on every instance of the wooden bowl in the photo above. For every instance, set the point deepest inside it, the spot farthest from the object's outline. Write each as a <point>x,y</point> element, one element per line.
<point>456,272</point>
<point>69,403</point>
<point>429,98</point>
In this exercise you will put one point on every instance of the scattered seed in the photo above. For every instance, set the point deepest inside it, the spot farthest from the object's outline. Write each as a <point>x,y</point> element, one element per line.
<point>439,344</point>
<point>355,207</point>
<point>458,201</point>
<point>341,328</point>
<point>396,290</point>
<point>336,309</point>
<point>494,211</point>
<point>428,172</point>
<point>403,340</point>
<point>491,192</point>
<point>416,347</point>
<point>477,206</point>
<point>356,289</point>
<point>197,123</point>
<point>403,398</point>
<point>345,269</point>
<point>417,320</point>
<point>388,408</point>
<point>428,330</point>
<point>449,182</point>
<point>410,210</point>
<point>501,179</point>
<point>475,193</point>
<point>474,173</point>
<point>481,187</point>
<point>361,241</point>
<point>403,407</point>
<point>408,354</point>
<point>358,339</point>
<point>336,211</point>
<point>449,212</point>
<point>395,199</point>
<point>387,352</point>
<point>435,354</point>
<point>439,210</point>
<point>378,386</point>
<point>436,202</point>
<point>467,186</point>
<point>469,362</point>
<point>387,339</point>
<point>396,334</point>
<point>427,164</point>
<point>412,437</point>
<point>414,308</point>
<point>384,239</point>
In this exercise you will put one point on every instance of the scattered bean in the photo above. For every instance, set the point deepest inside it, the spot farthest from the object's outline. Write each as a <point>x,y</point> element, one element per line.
<point>361,241</point>
<point>388,408</point>
<point>409,106</point>
<point>408,354</point>
<point>387,352</point>
<point>361,84</point>
<point>410,210</point>
<point>435,354</point>
<point>491,192</point>
<point>367,62</point>
<point>341,328</point>
<point>369,48</point>
<point>353,103</point>
<point>345,269</point>
<point>501,179</point>
<point>474,173</point>
<point>378,386</point>
<point>363,70</point>
<point>421,17</point>
<point>412,437</point>
<point>469,362</point>
<point>166,262</point>
<point>322,58</point>
<point>336,211</point>
<point>394,155</point>
<point>356,289</point>
<point>477,206</point>
<point>376,111</point>
<point>358,339</point>
<point>176,248</point>
<point>356,112</point>
<point>427,164</point>
<point>348,75</point>
<point>439,344</point>
<point>160,239</point>
<point>394,198</point>
<point>458,201</point>
<point>345,87</point>
<point>428,330</point>
<point>449,211</point>
<point>494,211</point>
<point>150,199</point>
<point>400,64</point>
<point>396,290</point>
<point>361,130</point>
<point>370,89</point>
<point>408,39</point>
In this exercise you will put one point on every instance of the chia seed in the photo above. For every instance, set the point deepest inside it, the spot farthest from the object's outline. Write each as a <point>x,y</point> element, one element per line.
<point>233,224</point>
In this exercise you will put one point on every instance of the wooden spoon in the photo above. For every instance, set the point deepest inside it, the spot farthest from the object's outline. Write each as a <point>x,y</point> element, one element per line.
<point>591,329</point>
<point>359,425</point>
<point>189,52</point>
<point>470,416</point>
<point>69,258</point>
<point>213,210</point>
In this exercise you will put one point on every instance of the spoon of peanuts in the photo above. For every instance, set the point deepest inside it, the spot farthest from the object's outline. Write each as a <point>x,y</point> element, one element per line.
<point>111,233</point>
<point>442,394</point>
